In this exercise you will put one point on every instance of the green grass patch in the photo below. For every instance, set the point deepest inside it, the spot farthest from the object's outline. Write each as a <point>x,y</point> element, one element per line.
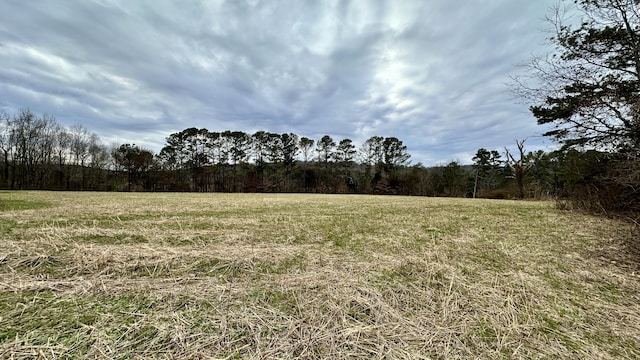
<point>17,205</point>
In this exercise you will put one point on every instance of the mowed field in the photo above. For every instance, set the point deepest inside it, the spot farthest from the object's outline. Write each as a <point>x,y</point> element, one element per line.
<point>199,276</point>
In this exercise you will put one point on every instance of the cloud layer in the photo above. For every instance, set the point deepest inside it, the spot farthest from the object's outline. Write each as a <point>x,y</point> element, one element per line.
<point>431,73</point>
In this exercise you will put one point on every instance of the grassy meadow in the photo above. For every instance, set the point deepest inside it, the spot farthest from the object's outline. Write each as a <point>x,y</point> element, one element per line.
<point>200,276</point>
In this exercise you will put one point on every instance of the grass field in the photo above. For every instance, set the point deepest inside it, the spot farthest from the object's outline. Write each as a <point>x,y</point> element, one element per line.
<point>126,275</point>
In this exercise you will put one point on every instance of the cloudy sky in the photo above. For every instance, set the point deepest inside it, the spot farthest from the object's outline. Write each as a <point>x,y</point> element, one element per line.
<point>431,72</point>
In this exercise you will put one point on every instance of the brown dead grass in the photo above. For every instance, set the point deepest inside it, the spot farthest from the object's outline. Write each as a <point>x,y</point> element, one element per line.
<point>96,275</point>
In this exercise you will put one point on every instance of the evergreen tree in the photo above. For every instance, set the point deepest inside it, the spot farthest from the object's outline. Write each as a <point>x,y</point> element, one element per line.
<point>588,91</point>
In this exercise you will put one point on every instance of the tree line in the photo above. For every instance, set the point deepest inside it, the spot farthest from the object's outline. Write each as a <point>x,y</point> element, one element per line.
<point>234,161</point>
<point>586,90</point>
<point>39,153</point>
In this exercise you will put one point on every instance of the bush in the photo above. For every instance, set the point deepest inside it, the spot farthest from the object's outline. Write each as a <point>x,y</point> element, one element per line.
<point>614,190</point>
<point>504,194</point>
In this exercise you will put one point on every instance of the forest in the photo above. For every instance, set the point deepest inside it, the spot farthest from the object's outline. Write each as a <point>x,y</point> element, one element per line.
<point>39,153</point>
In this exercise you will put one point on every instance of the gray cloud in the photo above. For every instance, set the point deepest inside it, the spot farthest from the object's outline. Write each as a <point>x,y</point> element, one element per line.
<point>430,73</point>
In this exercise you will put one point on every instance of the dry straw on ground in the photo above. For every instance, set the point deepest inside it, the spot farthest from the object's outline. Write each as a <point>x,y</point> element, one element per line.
<point>99,275</point>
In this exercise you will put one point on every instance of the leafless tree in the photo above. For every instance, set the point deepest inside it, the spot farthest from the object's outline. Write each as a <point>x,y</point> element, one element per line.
<point>520,166</point>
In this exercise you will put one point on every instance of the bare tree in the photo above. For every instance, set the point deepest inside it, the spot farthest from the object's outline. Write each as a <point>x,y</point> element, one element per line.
<point>25,137</point>
<point>79,147</point>
<point>372,151</point>
<point>5,142</point>
<point>520,167</point>
<point>305,144</point>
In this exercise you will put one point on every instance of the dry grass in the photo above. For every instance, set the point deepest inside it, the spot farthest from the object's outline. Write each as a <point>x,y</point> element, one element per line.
<point>108,275</point>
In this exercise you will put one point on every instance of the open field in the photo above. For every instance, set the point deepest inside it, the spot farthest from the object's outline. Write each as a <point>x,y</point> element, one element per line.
<point>122,275</point>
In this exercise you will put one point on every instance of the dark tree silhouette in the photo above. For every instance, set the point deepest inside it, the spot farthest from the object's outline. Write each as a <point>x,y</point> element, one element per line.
<point>132,159</point>
<point>325,149</point>
<point>345,151</point>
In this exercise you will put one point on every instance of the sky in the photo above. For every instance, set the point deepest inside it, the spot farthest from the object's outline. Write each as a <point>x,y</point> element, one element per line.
<point>433,73</point>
